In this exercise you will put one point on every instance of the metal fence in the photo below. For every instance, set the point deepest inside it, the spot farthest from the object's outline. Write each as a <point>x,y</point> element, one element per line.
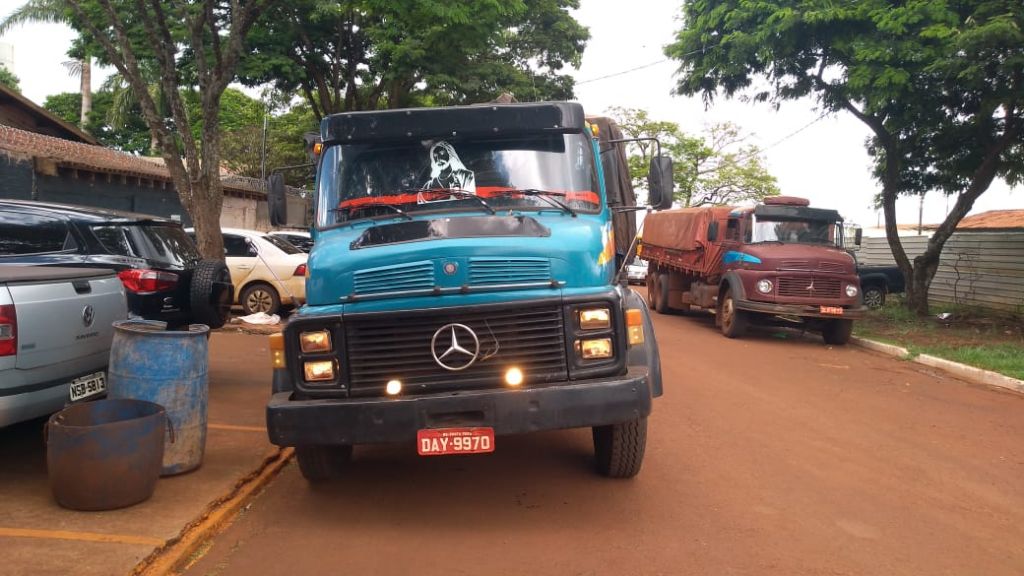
<point>983,269</point>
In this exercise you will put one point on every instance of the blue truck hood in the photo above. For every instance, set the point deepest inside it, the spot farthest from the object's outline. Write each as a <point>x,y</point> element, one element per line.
<point>573,253</point>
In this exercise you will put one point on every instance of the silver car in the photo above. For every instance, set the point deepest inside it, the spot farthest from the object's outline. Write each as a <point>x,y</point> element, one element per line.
<point>56,328</point>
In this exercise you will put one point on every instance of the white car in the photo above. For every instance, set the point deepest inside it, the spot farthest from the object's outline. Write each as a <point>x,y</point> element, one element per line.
<point>636,271</point>
<point>301,240</point>
<point>268,272</point>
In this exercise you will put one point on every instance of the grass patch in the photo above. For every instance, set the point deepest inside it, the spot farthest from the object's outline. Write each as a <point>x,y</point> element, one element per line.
<point>988,340</point>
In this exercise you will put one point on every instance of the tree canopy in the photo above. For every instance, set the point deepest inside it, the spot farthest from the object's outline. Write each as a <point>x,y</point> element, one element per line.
<point>940,85</point>
<point>344,55</point>
<point>7,78</point>
<point>718,168</point>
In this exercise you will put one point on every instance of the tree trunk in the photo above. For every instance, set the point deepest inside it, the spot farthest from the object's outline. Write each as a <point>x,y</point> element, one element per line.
<point>86,88</point>
<point>924,270</point>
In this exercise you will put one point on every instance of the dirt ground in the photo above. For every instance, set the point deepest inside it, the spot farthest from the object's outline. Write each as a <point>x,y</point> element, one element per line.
<point>766,455</point>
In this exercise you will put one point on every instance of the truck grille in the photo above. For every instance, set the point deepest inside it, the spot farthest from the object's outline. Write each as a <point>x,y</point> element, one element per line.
<point>797,287</point>
<point>411,276</point>
<point>508,270</point>
<point>382,348</point>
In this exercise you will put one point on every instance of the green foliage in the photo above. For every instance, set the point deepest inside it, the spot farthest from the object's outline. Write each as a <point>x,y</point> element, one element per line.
<point>7,78</point>
<point>367,54</point>
<point>129,135</point>
<point>717,168</point>
<point>940,85</point>
<point>241,147</point>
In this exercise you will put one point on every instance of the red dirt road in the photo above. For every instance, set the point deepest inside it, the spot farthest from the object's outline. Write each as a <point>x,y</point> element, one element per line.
<point>767,455</point>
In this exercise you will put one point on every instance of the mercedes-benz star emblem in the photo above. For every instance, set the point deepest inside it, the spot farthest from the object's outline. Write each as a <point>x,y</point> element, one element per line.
<point>455,347</point>
<point>87,315</point>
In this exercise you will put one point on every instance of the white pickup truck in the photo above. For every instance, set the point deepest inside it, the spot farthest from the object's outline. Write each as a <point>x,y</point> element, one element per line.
<point>55,335</point>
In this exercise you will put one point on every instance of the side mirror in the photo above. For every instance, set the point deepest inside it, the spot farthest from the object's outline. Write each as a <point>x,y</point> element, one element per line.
<point>713,231</point>
<point>858,236</point>
<point>277,202</point>
<point>660,183</point>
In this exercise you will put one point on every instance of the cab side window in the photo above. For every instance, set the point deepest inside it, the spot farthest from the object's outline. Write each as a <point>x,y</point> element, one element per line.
<point>22,233</point>
<point>732,230</point>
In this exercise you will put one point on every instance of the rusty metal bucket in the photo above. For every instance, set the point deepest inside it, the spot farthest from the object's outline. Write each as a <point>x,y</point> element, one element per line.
<point>105,454</point>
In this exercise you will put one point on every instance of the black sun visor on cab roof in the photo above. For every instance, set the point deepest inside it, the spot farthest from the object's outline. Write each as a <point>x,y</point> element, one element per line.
<point>796,213</point>
<point>484,120</point>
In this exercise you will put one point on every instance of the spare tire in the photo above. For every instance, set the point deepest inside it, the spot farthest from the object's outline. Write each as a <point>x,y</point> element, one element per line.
<point>209,298</point>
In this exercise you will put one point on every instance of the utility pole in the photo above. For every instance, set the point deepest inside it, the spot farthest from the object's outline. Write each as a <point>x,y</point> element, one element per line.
<point>263,148</point>
<point>920,215</point>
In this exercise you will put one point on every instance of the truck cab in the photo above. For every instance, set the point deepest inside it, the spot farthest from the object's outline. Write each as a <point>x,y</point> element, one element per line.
<point>462,286</point>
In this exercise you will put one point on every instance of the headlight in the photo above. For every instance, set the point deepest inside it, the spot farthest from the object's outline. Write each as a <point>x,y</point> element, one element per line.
<point>319,341</point>
<point>319,371</point>
<point>595,319</point>
<point>764,286</point>
<point>595,348</point>
<point>851,290</point>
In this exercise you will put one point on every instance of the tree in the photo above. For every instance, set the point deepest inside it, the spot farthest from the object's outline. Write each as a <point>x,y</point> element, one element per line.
<point>7,78</point>
<point>719,168</point>
<point>129,135</point>
<point>344,55</point>
<point>939,84</point>
<point>193,43</point>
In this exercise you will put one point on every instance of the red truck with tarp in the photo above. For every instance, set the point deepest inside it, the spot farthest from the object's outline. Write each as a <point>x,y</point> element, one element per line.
<point>780,262</point>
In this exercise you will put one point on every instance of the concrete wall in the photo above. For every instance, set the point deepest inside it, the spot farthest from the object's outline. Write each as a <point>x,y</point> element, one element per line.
<point>984,269</point>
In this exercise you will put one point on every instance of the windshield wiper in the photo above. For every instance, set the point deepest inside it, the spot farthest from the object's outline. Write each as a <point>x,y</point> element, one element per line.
<point>350,210</point>
<point>546,195</point>
<point>459,193</point>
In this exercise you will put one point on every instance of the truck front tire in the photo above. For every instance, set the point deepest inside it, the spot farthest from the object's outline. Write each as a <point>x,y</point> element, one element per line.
<point>837,332</point>
<point>319,463</point>
<point>619,448</point>
<point>733,321</point>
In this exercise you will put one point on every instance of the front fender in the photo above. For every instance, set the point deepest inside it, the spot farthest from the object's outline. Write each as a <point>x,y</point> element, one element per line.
<point>646,354</point>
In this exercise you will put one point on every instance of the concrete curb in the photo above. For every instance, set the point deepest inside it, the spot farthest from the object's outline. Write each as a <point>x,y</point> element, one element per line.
<point>962,371</point>
<point>175,554</point>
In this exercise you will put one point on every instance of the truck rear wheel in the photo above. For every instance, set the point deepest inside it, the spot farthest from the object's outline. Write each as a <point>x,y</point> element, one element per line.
<point>319,463</point>
<point>837,332</point>
<point>619,448</point>
<point>734,321</point>
<point>652,290</point>
<point>661,294</point>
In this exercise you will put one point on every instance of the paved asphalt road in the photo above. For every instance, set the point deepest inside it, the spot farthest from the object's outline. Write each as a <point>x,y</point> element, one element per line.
<point>773,454</point>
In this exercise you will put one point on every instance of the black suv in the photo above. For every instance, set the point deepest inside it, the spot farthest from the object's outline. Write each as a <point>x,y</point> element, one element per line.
<point>164,276</point>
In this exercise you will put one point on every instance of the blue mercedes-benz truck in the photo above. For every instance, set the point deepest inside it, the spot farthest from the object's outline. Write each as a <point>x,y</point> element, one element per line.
<point>465,284</point>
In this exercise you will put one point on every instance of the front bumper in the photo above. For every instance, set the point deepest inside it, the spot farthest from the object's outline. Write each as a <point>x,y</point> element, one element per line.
<point>595,402</point>
<point>802,310</point>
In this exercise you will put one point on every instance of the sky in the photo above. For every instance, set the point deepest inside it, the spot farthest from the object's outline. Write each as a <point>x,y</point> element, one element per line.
<point>822,159</point>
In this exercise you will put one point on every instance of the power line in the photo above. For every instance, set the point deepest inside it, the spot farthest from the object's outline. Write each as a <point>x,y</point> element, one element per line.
<point>623,72</point>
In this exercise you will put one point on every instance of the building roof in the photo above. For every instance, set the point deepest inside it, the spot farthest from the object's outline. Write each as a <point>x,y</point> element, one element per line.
<point>994,220</point>
<point>89,158</point>
<point>18,111</point>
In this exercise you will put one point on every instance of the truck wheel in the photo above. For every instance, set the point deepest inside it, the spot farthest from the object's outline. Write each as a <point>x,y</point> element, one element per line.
<point>837,332</point>
<point>619,448</point>
<point>319,463</point>
<point>874,297</point>
<point>663,299</point>
<point>260,298</point>
<point>206,310</point>
<point>652,290</point>
<point>734,321</point>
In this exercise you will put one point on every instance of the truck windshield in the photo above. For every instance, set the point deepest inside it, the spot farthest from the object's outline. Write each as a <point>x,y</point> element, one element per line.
<point>796,231</point>
<point>534,173</point>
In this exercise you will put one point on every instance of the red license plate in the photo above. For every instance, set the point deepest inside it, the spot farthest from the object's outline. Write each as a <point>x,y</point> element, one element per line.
<point>443,441</point>
<point>837,310</point>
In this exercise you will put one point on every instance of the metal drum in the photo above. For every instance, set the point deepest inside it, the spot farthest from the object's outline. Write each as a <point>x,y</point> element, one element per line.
<point>105,454</point>
<point>168,367</point>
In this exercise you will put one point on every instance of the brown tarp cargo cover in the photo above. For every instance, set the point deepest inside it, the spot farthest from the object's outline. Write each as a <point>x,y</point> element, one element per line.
<point>616,181</point>
<point>685,231</point>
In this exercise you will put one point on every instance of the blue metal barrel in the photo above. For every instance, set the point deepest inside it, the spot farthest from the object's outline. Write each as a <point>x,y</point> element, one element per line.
<point>105,454</point>
<point>168,367</point>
